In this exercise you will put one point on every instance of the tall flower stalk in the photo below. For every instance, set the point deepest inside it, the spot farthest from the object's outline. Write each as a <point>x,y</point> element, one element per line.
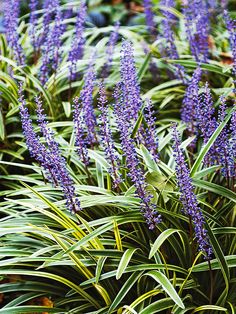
<point>77,46</point>
<point>191,102</point>
<point>11,15</point>
<point>169,47</point>
<point>233,145</point>
<point>233,134</point>
<point>49,6</point>
<point>207,123</point>
<point>135,172</point>
<point>33,5</point>
<point>149,15</point>
<point>63,178</point>
<point>131,88</point>
<point>84,117</point>
<point>188,198</point>
<point>231,26</point>
<point>49,156</point>
<point>57,33</point>
<point>107,139</point>
<point>197,24</point>
<point>223,148</point>
<point>36,149</point>
<point>148,131</point>
<point>51,50</point>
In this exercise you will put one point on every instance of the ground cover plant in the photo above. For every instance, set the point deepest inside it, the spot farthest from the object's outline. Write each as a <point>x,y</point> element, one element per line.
<point>117,157</point>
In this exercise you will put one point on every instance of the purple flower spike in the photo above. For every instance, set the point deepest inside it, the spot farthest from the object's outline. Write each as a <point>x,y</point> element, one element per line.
<point>207,123</point>
<point>133,164</point>
<point>231,26</point>
<point>188,198</point>
<point>58,161</point>
<point>205,114</point>
<point>190,102</point>
<point>169,48</point>
<point>149,15</point>
<point>33,5</point>
<point>106,138</point>
<point>56,35</point>
<point>36,149</point>
<point>131,89</point>
<point>224,150</point>
<point>49,157</point>
<point>51,50</point>
<point>233,134</point>
<point>150,138</point>
<point>77,46</point>
<point>222,109</point>
<point>80,136</point>
<point>11,15</point>
<point>50,6</point>
<point>110,50</point>
<point>44,69</point>
<point>197,25</point>
<point>232,144</point>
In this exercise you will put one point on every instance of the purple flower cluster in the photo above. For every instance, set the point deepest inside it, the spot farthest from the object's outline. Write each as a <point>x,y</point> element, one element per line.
<point>231,26</point>
<point>197,23</point>
<point>188,198</point>
<point>58,162</point>
<point>33,5</point>
<point>77,46</point>
<point>49,6</point>
<point>149,15</point>
<point>206,122</point>
<point>11,15</point>
<point>169,48</point>
<point>205,114</point>
<point>199,114</point>
<point>224,151</point>
<point>36,148</point>
<point>232,145</point>
<point>190,102</point>
<point>233,134</point>
<point>51,50</point>
<point>84,116</point>
<point>110,50</point>
<point>49,157</point>
<point>132,162</point>
<point>56,35</point>
<point>168,23</point>
<point>149,131</point>
<point>107,139</point>
<point>44,69</point>
<point>130,85</point>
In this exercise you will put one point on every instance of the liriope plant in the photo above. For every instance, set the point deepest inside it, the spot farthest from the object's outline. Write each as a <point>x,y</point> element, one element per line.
<point>103,216</point>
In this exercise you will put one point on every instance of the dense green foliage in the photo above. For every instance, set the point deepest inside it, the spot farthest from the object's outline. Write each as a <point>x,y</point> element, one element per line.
<point>104,259</point>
